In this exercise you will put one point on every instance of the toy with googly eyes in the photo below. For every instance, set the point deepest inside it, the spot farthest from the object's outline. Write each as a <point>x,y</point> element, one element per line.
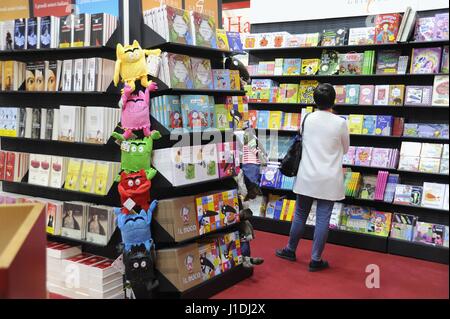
<point>137,187</point>
<point>137,154</point>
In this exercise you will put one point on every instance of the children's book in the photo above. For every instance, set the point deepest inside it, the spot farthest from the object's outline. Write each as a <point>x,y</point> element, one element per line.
<point>440,91</point>
<point>196,108</point>
<point>306,91</point>
<point>201,73</point>
<point>445,59</point>
<point>263,120</point>
<point>310,66</point>
<point>381,157</point>
<point>329,62</point>
<point>369,125</point>
<point>424,30</point>
<point>203,30</point>
<point>396,94</point>
<point>352,94</point>
<point>441,26</point>
<point>426,60</point>
<point>361,36</point>
<point>221,79</point>
<point>235,42</point>
<point>384,125</point>
<point>403,226</point>
<point>363,156</point>
<point>178,25</point>
<point>366,94</point>
<point>87,175</point>
<point>180,71</point>
<point>367,190</point>
<point>349,157</point>
<point>387,62</point>
<point>351,63</point>
<point>433,195</point>
<point>235,80</point>
<point>391,185</point>
<point>428,233</point>
<point>386,27</point>
<point>275,120</point>
<point>429,165</point>
<point>340,94</point>
<point>355,123</point>
<point>292,67</point>
<point>416,195</point>
<point>381,96</point>
<point>222,40</point>
<point>291,93</point>
<point>418,95</point>
<point>334,37</point>
<point>379,223</point>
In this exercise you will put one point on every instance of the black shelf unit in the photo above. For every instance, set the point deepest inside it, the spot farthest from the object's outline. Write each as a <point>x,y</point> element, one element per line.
<point>418,250</point>
<point>335,236</point>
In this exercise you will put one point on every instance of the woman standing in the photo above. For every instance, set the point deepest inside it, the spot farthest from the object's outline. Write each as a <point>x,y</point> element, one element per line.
<point>320,176</point>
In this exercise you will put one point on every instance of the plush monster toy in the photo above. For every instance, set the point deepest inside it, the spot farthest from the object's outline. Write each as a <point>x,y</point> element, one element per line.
<point>136,110</point>
<point>135,186</point>
<point>135,228</point>
<point>131,64</point>
<point>137,154</point>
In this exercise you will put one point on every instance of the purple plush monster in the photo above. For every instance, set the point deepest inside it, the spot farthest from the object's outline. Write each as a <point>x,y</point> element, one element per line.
<point>136,110</point>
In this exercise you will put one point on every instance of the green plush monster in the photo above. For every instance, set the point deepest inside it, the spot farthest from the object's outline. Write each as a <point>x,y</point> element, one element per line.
<point>211,168</point>
<point>137,154</point>
<point>190,171</point>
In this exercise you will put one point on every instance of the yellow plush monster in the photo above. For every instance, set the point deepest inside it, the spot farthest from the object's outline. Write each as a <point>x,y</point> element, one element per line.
<point>131,64</point>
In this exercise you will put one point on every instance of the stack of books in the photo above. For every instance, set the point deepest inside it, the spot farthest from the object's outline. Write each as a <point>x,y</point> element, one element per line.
<point>56,253</point>
<point>371,124</point>
<point>281,209</point>
<point>371,156</point>
<point>271,177</point>
<point>426,130</point>
<point>13,166</point>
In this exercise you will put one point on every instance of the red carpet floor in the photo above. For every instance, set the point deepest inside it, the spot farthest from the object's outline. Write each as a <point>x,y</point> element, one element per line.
<point>400,277</point>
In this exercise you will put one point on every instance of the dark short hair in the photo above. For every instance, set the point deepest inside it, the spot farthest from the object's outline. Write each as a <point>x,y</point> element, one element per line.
<point>324,96</point>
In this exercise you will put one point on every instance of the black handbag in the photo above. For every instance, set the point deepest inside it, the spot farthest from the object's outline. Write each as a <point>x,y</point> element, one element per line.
<point>290,163</point>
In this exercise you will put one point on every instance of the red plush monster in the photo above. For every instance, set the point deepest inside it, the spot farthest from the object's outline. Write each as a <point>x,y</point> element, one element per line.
<point>135,186</point>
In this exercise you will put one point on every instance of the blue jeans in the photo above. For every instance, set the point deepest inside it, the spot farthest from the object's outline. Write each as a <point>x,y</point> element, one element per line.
<point>245,248</point>
<point>323,215</point>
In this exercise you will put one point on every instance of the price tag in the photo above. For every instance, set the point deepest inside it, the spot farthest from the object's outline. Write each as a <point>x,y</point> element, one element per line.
<point>129,204</point>
<point>118,264</point>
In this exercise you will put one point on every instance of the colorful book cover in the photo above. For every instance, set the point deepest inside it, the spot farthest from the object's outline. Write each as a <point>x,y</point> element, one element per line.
<point>355,218</point>
<point>291,93</point>
<point>73,174</point>
<point>351,63</point>
<point>441,26</point>
<point>352,94</point>
<point>197,110</point>
<point>306,91</point>
<point>396,94</point>
<point>440,91</point>
<point>221,113</point>
<point>403,226</point>
<point>361,36</point>
<point>310,66</point>
<point>391,185</point>
<point>431,150</point>
<point>428,233</point>
<point>292,67</point>
<point>269,176</point>
<point>235,42</point>
<point>355,123</point>
<point>426,60</point>
<point>32,33</point>
<point>180,71</point>
<point>384,125</point>
<point>222,40</point>
<point>409,163</point>
<point>386,27</point>
<point>221,79</point>
<point>333,37</point>
<point>366,94</point>
<point>349,157</point>
<point>179,26</point>
<point>20,34</point>
<point>418,95</point>
<point>329,62</point>
<point>275,120</point>
<point>424,30</point>
<point>429,165</point>
<point>340,94</point>
<point>379,223</point>
<point>416,195</point>
<point>202,73</point>
<point>387,62</point>
<point>369,125</point>
<point>381,157</point>
<point>363,156</point>
<point>398,126</point>
<point>445,60</point>
<point>433,195</point>
<point>235,80</point>
<point>367,190</point>
<point>204,30</point>
<point>381,96</point>
<point>263,120</point>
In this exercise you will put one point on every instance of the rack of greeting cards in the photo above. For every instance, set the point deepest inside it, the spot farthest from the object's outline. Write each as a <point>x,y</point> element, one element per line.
<point>391,103</point>
<point>49,155</point>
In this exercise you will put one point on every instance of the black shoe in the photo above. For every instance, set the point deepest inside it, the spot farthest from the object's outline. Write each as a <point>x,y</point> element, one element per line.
<point>286,254</point>
<point>318,265</point>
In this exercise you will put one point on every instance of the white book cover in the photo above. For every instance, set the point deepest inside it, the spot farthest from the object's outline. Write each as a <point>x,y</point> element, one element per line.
<point>43,123</point>
<point>78,74</point>
<point>440,90</point>
<point>67,123</point>
<point>433,195</point>
<point>57,171</point>
<point>409,163</point>
<point>361,36</point>
<point>381,95</point>
<point>94,125</point>
<point>67,75</point>
<point>35,163</point>
<point>411,149</point>
<point>429,165</point>
<point>431,150</point>
<point>55,129</point>
<point>28,122</point>
<point>207,168</point>
<point>90,79</point>
<point>446,204</point>
<point>445,153</point>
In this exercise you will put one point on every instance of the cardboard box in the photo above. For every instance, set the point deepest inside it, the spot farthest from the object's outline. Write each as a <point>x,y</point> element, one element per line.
<point>181,266</point>
<point>178,217</point>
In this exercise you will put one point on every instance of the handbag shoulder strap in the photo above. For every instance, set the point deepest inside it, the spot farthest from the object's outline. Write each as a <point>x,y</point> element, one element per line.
<point>303,123</point>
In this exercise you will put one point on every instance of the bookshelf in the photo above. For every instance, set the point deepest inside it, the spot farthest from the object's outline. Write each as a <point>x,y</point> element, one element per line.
<point>412,114</point>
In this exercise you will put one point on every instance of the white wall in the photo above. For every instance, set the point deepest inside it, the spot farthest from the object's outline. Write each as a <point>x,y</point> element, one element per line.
<point>266,11</point>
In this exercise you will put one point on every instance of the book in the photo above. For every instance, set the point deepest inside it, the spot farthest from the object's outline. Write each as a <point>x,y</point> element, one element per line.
<point>201,73</point>
<point>428,233</point>
<point>424,30</point>
<point>196,110</point>
<point>402,226</point>
<point>416,195</point>
<point>433,195</point>
<point>425,60</point>
<point>429,165</point>
<point>381,157</point>
<point>235,42</point>
<point>361,36</point>
<point>384,125</point>
<point>409,163</point>
<point>329,62</point>
<point>180,71</point>
<point>367,190</point>
<point>7,40</point>
<point>222,40</point>
<point>366,94</point>
<point>203,30</point>
<point>431,150</point>
<point>363,156</point>
<point>87,174</point>
<point>440,91</point>
<point>74,220</point>
<point>221,79</point>
<point>98,220</point>
<point>72,181</point>
<point>391,185</point>
<point>381,96</point>
<point>306,91</point>
<point>33,32</point>
<point>379,223</point>
<point>82,30</point>
<point>387,62</point>
<point>418,95</point>
<point>445,59</point>
<point>20,34</point>
<point>310,66</point>
<point>292,66</point>
<point>441,26</point>
<point>396,94</point>
<point>351,63</point>
<point>355,123</point>
<point>380,187</point>
<point>398,126</point>
<point>66,31</point>
<point>48,32</point>
<point>178,25</point>
<point>57,171</point>
<point>235,80</point>
<point>340,94</point>
<point>333,37</point>
<point>386,27</point>
<point>369,124</point>
<point>352,94</point>
<point>402,64</point>
<point>292,93</point>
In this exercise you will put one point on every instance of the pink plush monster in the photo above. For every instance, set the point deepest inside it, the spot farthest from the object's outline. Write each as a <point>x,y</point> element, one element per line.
<point>136,110</point>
